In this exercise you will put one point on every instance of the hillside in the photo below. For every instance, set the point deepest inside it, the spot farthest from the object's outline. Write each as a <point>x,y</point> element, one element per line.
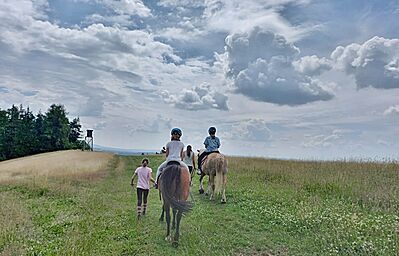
<point>60,163</point>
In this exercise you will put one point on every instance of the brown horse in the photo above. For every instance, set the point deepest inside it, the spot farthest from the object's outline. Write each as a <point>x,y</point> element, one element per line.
<point>175,189</point>
<point>215,166</point>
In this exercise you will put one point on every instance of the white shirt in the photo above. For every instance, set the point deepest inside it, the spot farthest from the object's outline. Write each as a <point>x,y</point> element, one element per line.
<point>144,177</point>
<point>174,147</point>
<point>188,160</point>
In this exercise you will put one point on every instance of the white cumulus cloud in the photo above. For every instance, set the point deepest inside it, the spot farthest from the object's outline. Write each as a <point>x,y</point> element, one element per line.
<point>261,65</point>
<point>374,63</point>
<point>392,110</point>
<point>197,98</point>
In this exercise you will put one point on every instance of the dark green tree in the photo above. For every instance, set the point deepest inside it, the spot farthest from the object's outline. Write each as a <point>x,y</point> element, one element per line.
<point>11,132</point>
<point>76,132</point>
<point>56,128</point>
<point>3,125</point>
<point>41,138</point>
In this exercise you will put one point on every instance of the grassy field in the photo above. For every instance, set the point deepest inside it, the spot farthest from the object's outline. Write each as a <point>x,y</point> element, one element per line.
<point>274,207</point>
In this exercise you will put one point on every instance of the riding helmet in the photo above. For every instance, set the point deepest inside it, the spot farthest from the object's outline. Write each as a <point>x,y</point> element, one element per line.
<point>176,131</point>
<point>212,130</point>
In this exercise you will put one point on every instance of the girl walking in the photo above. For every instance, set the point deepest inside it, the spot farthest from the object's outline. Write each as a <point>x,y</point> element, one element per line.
<point>143,186</point>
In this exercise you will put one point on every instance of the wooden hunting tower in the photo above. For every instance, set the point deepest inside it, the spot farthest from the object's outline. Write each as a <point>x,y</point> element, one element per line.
<point>89,140</point>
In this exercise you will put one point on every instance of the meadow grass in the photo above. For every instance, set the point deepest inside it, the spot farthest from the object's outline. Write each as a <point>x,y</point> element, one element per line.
<point>274,207</point>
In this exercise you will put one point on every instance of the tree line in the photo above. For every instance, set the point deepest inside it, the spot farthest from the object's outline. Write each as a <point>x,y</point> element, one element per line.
<point>22,133</point>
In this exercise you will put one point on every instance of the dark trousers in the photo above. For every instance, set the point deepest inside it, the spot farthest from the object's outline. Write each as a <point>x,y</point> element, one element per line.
<point>142,195</point>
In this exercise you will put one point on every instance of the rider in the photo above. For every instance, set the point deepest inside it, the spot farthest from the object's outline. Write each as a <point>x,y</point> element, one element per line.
<point>212,144</point>
<point>174,152</point>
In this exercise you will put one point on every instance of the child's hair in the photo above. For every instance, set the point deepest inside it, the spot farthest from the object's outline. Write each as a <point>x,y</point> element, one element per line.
<point>145,160</point>
<point>172,138</point>
<point>189,151</point>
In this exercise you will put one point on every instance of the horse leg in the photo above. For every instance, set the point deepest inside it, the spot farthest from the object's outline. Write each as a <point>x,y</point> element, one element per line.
<point>224,189</point>
<point>201,190</point>
<point>174,218</point>
<point>211,186</point>
<point>162,214</point>
<point>175,242</point>
<point>167,212</point>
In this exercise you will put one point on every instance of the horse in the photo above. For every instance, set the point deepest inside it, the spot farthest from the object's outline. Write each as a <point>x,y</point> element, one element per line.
<point>174,186</point>
<point>215,165</point>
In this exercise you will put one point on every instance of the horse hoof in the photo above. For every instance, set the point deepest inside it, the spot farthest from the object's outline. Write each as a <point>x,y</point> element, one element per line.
<point>175,244</point>
<point>168,238</point>
<point>223,201</point>
<point>201,191</point>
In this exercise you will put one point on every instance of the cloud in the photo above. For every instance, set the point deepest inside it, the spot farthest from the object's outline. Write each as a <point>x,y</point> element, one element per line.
<point>254,130</point>
<point>312,65</point>
<point>323,140</point>
<point>391,111</point>
<point>100,125</point>
<point>154,125</point>
<point>236,16</point>
<point>182,3</point>
<point>124,7</point>
<point>198,98</point>
<point>374,63</point>
<point>261,66</point>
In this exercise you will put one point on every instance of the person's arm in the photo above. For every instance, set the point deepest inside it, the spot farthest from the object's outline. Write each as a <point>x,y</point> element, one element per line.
<point>219,143</point>
<point>151,179</point>
<point>181,154</point>
<point>206,142</point>
<point>132,180</point>
<point>193,160</point>
<point>167,152</point>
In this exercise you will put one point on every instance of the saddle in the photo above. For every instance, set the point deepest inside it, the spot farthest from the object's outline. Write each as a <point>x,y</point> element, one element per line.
<point>170,163</point>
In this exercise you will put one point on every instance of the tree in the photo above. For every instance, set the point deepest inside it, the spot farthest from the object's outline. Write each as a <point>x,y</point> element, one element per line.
<point>76,132</point>
<point>41,138</point>
<point>3,125</point>
<point>11,130</point>
<point>56,128</point>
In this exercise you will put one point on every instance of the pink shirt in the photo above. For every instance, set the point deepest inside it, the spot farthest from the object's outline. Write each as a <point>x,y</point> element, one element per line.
<point>144,177</point>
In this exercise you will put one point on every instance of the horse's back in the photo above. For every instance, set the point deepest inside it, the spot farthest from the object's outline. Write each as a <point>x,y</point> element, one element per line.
<point>217,162</point>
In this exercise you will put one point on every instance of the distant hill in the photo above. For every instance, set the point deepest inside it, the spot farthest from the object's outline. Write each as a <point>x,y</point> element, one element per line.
<point>122,151</point>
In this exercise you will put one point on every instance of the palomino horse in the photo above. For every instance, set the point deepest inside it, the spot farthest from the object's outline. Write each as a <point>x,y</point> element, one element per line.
<point>215,165</point>
<point>175,189</point>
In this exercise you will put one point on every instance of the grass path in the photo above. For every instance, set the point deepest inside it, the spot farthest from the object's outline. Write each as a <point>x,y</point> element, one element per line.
<point>274,208</point>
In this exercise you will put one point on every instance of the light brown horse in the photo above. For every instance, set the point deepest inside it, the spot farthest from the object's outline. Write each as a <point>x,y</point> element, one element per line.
<point>215,165</point>
<point>174,185</point>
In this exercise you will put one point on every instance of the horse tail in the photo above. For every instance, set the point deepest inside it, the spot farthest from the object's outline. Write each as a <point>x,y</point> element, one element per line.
<point>171,187</point>
<point>219,174</point>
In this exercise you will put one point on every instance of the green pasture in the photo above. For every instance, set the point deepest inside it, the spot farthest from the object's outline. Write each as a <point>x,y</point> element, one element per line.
<point>274,207</point>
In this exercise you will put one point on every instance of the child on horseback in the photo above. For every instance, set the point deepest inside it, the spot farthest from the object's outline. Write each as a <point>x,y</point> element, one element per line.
<point>174,152</point>
<point>212,144</point>
<point>143,185</point>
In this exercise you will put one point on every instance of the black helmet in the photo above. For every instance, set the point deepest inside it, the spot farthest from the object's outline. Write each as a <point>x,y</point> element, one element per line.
<point>176,131</point>
<point>212,130</point>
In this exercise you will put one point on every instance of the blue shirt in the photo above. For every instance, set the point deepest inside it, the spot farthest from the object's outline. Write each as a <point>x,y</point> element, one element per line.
<point>211,144</point>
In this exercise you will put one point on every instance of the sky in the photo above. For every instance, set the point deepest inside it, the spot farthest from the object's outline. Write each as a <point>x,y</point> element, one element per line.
<point>300,79</point>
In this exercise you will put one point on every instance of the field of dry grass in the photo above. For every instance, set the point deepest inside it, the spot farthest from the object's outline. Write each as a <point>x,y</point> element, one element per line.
<point>61,163</point>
